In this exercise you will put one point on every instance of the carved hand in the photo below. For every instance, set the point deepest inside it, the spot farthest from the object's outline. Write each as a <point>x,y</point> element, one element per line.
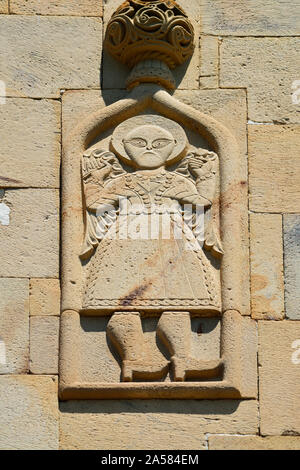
<point>202,169</point>
<point>99,175</point>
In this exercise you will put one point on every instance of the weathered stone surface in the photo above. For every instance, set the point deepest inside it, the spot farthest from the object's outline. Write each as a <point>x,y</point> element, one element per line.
<point>30,143</point>
<point>77,104</point>
<point>208,83</point>
<point>153,424</point>
<point>274,168</point>
<point>267,285</point>
<point>279,378</point>
<point>291,225</point>
<point>253,443</point>
<point>53,7</point>
<point>228,107</point>
<point>44,334</point>
<point>4,6</point>
<point>28,413</point>
<point>250,17</point>
<point>14,326</point>
<point>41,55</point>
<point>29,244</point>
<point>44,297</point>
<point>267,67</point>
<point>209,56</point>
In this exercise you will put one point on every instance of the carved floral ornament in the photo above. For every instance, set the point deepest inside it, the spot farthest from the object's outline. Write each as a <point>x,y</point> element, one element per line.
<point>138,163</point>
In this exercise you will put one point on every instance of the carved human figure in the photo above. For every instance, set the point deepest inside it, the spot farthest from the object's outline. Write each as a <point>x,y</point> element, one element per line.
<point>142,242</point>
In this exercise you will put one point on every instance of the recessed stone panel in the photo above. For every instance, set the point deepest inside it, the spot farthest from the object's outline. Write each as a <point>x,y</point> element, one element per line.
<point>155,424</point>
<point>52,7</point>
<point>279,378</point>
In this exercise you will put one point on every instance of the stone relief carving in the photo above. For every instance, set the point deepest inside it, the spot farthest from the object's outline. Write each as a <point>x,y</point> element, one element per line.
<point>142,30</point>
<point>154,239</point>
<point>151,38</point>
<point>162,264</point>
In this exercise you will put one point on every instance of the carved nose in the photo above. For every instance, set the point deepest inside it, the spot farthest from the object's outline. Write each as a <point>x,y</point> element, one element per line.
<point>149,147</point>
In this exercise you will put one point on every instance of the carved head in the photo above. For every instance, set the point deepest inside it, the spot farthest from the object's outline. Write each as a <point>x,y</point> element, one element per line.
<point>149,141</point>
<point>149,146</point>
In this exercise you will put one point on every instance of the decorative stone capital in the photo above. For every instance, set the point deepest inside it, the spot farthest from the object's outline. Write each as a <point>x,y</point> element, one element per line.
<point>158,30</point>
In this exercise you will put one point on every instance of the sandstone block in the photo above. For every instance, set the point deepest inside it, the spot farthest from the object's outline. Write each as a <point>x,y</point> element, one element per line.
<point>250,18</point>
<point>267,67</point>
<point>227,106</point>
<point>29,413</point>
<point>279,378</point>
<point>209,56</point>
<point>41,55</point>
<point>291,265</point>
<point>52,7</point>
<point>44,297</point>
<point>274,168</point>
<point>208,83</point>
<point>253,443</point>
<point>30,143</point>
<point>29,244</point>
<point>155,424</point>
<point>14,326</point>
<point>44,337</point>
<point>3,6</point>
<point>267,285</point>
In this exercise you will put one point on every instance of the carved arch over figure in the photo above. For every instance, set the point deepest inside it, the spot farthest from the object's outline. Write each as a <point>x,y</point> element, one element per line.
<point>232,187</point>
<point>151,52</point>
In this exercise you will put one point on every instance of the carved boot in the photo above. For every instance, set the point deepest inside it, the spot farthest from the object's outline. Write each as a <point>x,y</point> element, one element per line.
<point>126,333</point>
<point>174,329</point>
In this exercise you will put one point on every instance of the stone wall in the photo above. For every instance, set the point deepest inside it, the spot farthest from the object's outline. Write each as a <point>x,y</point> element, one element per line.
<point>244,72</point>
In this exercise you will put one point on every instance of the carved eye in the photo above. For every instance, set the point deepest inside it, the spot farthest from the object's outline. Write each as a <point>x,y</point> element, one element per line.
<point>138,142</point>
<point>160,143</point>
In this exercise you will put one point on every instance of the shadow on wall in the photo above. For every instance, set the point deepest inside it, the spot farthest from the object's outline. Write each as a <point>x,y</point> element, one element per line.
<point>178,407</point>
<point>113,76</point>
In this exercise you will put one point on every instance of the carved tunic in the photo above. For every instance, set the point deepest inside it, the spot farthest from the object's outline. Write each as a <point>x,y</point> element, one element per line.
<point>158,262</point>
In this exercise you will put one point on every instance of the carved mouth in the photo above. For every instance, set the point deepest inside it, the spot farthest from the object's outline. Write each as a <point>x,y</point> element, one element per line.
<point>150,153</point>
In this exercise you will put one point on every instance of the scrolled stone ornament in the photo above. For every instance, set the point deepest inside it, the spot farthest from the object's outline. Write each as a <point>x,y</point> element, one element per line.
<point>141,30</point>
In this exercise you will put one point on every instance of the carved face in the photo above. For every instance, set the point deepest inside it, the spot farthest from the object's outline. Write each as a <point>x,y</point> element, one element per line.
<point>149,146</point>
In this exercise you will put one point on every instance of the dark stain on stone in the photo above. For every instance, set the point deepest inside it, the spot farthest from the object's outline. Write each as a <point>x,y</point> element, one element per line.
<point>133,295</point>
<point>9,180</point>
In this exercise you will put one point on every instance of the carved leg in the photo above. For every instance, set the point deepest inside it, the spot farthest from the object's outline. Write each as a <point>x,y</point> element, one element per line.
<point>125,331</point>
<point>174,329</point>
